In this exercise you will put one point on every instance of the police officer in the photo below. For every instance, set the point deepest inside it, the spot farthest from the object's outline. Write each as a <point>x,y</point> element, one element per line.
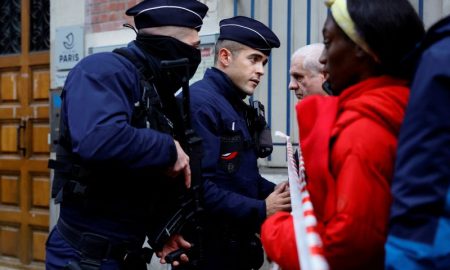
<point>237,198</point>
<point>117,156</point>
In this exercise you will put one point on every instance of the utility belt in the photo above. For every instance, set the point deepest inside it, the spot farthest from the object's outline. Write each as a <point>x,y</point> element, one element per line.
<point>95,248</point>
<point>82,187</point>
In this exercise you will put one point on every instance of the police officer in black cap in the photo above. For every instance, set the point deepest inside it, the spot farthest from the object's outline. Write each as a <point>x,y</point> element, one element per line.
<point>237,198</point>
<point>116,159</point>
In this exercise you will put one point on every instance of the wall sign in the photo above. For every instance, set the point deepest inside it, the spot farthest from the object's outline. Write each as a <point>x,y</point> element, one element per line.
<point>69,47</point>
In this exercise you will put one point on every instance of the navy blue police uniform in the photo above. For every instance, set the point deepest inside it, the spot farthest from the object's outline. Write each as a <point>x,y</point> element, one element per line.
<point>234,190</point>
<point>116,143</point>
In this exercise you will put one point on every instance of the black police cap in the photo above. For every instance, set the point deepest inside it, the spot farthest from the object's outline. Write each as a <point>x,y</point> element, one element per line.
<point>249,32</point>
<point>153,13</point>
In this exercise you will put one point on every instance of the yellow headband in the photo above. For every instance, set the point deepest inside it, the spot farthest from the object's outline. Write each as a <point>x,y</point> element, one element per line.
<point>342,17</point>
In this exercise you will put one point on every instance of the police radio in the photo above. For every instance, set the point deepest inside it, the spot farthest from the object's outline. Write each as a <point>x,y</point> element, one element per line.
<point>260,129</point>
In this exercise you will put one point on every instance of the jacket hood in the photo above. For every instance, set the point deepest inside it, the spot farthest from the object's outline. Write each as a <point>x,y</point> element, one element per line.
<point>381,99</point>
<point>438,31</point>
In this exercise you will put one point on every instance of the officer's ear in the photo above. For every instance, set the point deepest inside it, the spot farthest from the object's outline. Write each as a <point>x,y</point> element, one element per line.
<point>225,57</point>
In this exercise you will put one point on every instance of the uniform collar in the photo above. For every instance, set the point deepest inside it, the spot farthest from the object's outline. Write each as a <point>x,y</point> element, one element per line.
<point>135,49</point>
<point>146,59</point>
<point>224,85</point>
<point>150,61</point>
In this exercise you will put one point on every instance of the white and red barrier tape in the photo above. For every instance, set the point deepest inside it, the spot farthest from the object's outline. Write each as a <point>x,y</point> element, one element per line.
<point>309,243</point>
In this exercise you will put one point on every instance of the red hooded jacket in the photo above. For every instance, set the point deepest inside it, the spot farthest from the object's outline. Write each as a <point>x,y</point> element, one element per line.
<point>349,145</point>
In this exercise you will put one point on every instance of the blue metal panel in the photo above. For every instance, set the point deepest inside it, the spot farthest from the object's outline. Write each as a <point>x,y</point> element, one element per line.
<point>421,9</point>
<point>269,80</point>
<point>252,9</point>
<point>308,22</point>
<point>288,61</point>
<point>252,15</point>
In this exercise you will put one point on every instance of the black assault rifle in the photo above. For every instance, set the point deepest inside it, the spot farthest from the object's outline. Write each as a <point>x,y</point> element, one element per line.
<point>191,211</point>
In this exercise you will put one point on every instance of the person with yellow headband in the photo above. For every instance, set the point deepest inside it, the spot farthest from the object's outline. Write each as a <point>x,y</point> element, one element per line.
<point>349,140</point>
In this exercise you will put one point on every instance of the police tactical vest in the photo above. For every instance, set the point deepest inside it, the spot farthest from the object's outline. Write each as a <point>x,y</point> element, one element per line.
<point>148,110</point>
<point>72,177</point>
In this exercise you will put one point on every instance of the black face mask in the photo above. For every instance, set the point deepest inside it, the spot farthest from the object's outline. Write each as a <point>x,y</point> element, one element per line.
<point>169,48</point>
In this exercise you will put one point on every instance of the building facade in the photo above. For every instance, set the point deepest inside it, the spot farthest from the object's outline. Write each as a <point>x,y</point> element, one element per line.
<point>42,39</point>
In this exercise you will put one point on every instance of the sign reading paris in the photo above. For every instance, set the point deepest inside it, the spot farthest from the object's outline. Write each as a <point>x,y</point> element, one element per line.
<point>69,47</point>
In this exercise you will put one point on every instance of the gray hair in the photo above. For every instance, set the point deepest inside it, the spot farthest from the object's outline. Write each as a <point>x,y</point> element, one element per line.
<point>310,54</point>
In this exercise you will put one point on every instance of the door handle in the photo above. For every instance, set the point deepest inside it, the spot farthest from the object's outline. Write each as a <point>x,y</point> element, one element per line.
<point>20,148</point>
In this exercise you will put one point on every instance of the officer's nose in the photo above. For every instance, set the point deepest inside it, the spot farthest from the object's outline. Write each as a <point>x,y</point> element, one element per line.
<point>260,69</point>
